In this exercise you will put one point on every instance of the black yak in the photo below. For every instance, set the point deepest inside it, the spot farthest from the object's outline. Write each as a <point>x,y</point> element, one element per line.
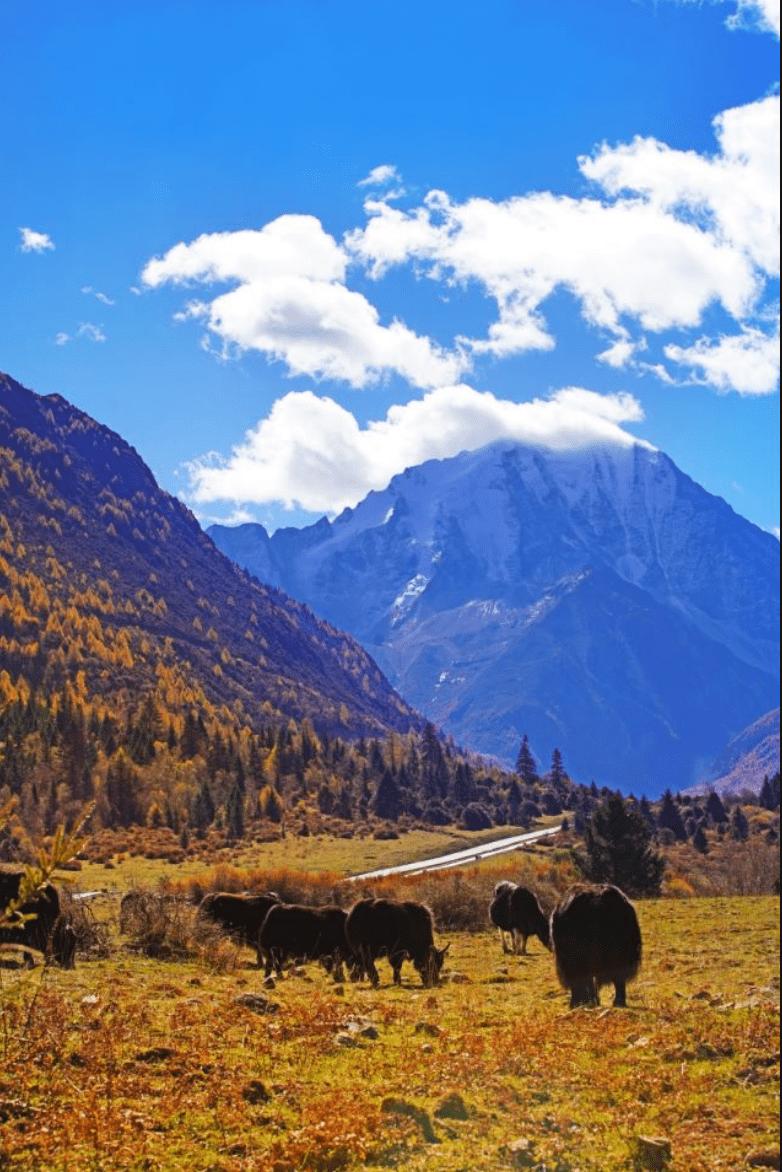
<point>515,911</point>
<point>597,941</point>
<point>294,932</point>
<point>49,932</point>
<point>239,915</point>
<point>400,931</point>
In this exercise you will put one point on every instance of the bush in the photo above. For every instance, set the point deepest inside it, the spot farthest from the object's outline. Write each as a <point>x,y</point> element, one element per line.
<point>475,817</point>
<point>436,815</point>
<point>92,936</point>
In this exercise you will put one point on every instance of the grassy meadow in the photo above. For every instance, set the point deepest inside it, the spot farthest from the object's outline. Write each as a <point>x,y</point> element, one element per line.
<point>195,1064</point>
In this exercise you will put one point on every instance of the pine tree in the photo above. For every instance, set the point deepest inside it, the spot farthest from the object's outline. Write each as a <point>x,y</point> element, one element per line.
<point>557,772</point>
<point>387,801</point>
<point>525,763</point>
<point>769,793</point>
<point>739,826</point>
<point>234,812</point>
<point>700,841</point>
<point>618,849</point>
<point>514,802</point>
<point>715,808</point>
<point>670,817</point>
<point>121,790</point>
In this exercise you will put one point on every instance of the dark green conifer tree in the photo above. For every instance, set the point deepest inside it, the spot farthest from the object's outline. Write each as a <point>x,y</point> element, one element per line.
<point>769,792</point>
<point>525,763</point>
<point>387,802</point>
<point>670,818</point>
<point>618,849</point>
<point>234,812</point>
<point>739,826</point>
<point>715,808</point>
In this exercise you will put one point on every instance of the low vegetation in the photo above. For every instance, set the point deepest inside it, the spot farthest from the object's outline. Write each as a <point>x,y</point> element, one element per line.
<point>133,1062</point>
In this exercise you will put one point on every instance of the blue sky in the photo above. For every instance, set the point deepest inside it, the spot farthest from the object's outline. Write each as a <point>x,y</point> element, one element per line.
<point>287,248</point>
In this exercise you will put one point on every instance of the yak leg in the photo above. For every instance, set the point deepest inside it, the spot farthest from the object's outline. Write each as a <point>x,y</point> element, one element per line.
<point>620,994</point>
<point>585,994</point>
<point>368,965</point>
<point>524,939</point>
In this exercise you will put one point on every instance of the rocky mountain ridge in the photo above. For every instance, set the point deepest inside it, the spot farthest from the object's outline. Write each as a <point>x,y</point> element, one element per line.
<point>600,601</point>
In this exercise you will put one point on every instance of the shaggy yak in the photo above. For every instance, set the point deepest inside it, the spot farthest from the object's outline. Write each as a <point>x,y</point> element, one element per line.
<point>295,932</point>
<point>239,915</point>
<point>400,931</point>
<point>516,912</point>
<point>50,932</point>
<point>597,941</point>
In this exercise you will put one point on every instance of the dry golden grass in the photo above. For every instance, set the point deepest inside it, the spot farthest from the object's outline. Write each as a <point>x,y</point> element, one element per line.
<point>129,1063</point>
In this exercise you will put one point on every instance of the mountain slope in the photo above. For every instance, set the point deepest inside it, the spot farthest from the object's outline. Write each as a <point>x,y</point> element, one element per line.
<point>600,601</point>
<point>109,587</point>
<point>751,756</point>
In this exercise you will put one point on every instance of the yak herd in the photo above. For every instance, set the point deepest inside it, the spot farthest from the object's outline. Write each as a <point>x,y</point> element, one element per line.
<point>593,933</point>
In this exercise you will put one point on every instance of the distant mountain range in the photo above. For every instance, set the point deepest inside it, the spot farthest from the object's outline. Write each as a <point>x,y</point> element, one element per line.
<point>600,601</point>
<point>750,757</point>
<point>110,592</point>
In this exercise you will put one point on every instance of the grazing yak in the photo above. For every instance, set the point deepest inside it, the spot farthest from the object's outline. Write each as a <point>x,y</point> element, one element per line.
<point>516,912</point>
<point>50,932</point>
<point>597,941</point>
<point>400,931</point>
<point>240,915</point>
<point>292,931</point>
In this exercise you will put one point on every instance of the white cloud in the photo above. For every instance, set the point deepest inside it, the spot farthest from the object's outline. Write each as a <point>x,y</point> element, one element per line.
<point>626,259</point>
<point>380,176</point>
<point>310,451</point>
<point>747,362</point>
<point>34,241</point>
<point>102,297</point>
<point>763,14</point>
<point>734,196</point>
<point>621,352</point>
<point>671,234</point>
<point>88,329</point>
<point>290,302</point>
<point>750,14</point>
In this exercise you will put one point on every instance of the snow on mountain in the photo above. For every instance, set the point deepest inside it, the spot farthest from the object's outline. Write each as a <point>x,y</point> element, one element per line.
<point>598,600</point>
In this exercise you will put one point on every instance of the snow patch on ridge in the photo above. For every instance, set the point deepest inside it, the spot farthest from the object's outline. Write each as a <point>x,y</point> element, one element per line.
<point>404,602</point>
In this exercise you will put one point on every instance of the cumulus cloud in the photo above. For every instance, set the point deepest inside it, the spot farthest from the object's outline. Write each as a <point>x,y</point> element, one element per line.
<point>312,452</point>
<point>669,234</point>
<point>664,237</point>
<point>763,14</point>
<point>747,362</point>
<point>733,197</point>
<point>34,241</point>
<point>290,302</point>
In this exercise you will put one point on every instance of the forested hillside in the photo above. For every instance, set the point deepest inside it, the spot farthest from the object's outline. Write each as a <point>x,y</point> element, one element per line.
<point>122,628</point>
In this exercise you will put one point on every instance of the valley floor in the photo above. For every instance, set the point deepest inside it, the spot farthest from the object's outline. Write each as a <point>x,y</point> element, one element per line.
<point>129,1063</point>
